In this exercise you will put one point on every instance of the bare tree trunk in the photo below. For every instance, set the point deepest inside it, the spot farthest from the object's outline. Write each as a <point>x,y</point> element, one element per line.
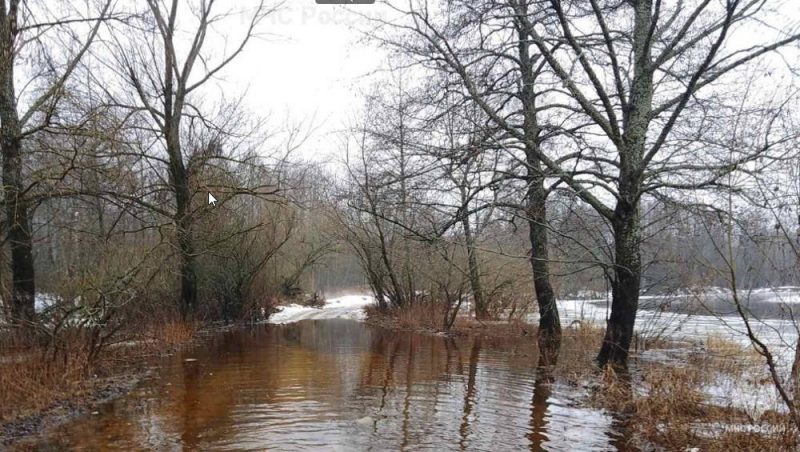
<point>183,221</point>
<point>174,98</point>
<point>188,271</point>
<point>549,321</point>
<point>481,308</point>
<point>796,374</point>
<point>625,287</point>
<point>18,217</point>
<point>23,287</point>
<point>626,218</point>
<point>536,201</point>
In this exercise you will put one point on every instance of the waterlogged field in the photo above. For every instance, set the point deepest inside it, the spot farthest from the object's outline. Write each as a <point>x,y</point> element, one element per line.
<point>316,378</point>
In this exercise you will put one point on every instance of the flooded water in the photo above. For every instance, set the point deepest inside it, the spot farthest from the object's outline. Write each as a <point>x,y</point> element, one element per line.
<point>342,385</point>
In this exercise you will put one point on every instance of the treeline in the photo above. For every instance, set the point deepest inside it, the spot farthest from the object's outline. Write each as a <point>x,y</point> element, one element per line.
<point>113,133</point>
<point>623,147</point>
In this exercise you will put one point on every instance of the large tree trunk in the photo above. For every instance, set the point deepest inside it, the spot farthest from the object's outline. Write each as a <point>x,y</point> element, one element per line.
<point>18,224</point>
<point>536,201</point>
<point>625,287</point>
<point>183,221</point>
<point>174,101</point>
<point>183,204</point>
<point>188,271</point>
<point>626,218</point>
<point>18,220</point>
<point>549,321</point>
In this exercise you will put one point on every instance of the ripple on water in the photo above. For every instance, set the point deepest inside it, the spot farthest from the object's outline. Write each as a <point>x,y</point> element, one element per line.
<point>341,385</point>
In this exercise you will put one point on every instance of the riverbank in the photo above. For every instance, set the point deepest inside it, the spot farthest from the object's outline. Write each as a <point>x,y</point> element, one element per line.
<point>41,389</point>
<point>713,394</point>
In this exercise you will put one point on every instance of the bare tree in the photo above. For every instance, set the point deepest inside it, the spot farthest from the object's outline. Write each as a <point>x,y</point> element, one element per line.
<point>615,66</point>
<point>638,108</point>
<point>24,32</point>
<point>163,78</point>
<point>483,49</point>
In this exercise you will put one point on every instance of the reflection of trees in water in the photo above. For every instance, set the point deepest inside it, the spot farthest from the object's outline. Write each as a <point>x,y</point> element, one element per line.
<point>190,432</point>
<point>419,380</point>
<point>469,394</point>
<point>542,388</point>
<point>407,398</point>
<point>395,389</point>
<point>261,367</point>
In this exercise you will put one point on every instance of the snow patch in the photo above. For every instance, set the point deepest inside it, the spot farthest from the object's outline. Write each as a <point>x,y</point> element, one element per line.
<point>346,307</point>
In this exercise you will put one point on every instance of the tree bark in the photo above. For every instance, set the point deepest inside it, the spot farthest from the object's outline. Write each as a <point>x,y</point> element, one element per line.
<point>174,100</point>
<point>188,271</point>
<point>625,288</point>
<point>549,321</point>
<point>626,218</point>
<point>183,221</point>
<point>18,223</point>
<point>18,216</point>
<point>536,200</point>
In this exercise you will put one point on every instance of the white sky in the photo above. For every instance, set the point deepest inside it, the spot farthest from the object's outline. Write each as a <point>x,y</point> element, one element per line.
<point>311,67</point>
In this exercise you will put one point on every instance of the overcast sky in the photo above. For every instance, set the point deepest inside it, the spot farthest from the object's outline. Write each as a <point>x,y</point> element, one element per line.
<point>311,65</point>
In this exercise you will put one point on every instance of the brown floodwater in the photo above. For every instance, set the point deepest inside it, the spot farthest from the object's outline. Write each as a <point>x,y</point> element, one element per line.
<point>343,385</point>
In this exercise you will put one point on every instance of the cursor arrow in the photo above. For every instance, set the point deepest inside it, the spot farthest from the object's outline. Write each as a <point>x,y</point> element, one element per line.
<point>212,200</point>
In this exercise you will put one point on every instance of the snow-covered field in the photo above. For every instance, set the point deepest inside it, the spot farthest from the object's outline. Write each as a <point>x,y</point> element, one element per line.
<point>749,393</point>
<point>346,307</point>
<point>779,335</point>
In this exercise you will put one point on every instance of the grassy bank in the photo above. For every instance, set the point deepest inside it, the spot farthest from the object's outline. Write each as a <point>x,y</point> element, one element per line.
<point>44,383</point>
<point>665,399</point>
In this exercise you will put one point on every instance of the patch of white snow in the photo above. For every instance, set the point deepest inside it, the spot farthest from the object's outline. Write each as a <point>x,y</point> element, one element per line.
<point>346,307</point>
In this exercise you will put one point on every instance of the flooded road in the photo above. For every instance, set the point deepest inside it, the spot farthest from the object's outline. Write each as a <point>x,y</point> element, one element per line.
<point>338,384</point>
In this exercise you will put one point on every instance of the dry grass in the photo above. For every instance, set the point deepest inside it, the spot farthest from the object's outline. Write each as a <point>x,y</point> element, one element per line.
<point>36,378</point>
<point>430,317</point>
<point>667,406</point>
<point>29,384</point>
<point>172,334</point>
<point>418,316</point>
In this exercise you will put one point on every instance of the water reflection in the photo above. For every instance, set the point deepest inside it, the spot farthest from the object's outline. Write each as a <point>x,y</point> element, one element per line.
<point>541,396</point>
<point>469,394</point>
<point>344,386</point>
